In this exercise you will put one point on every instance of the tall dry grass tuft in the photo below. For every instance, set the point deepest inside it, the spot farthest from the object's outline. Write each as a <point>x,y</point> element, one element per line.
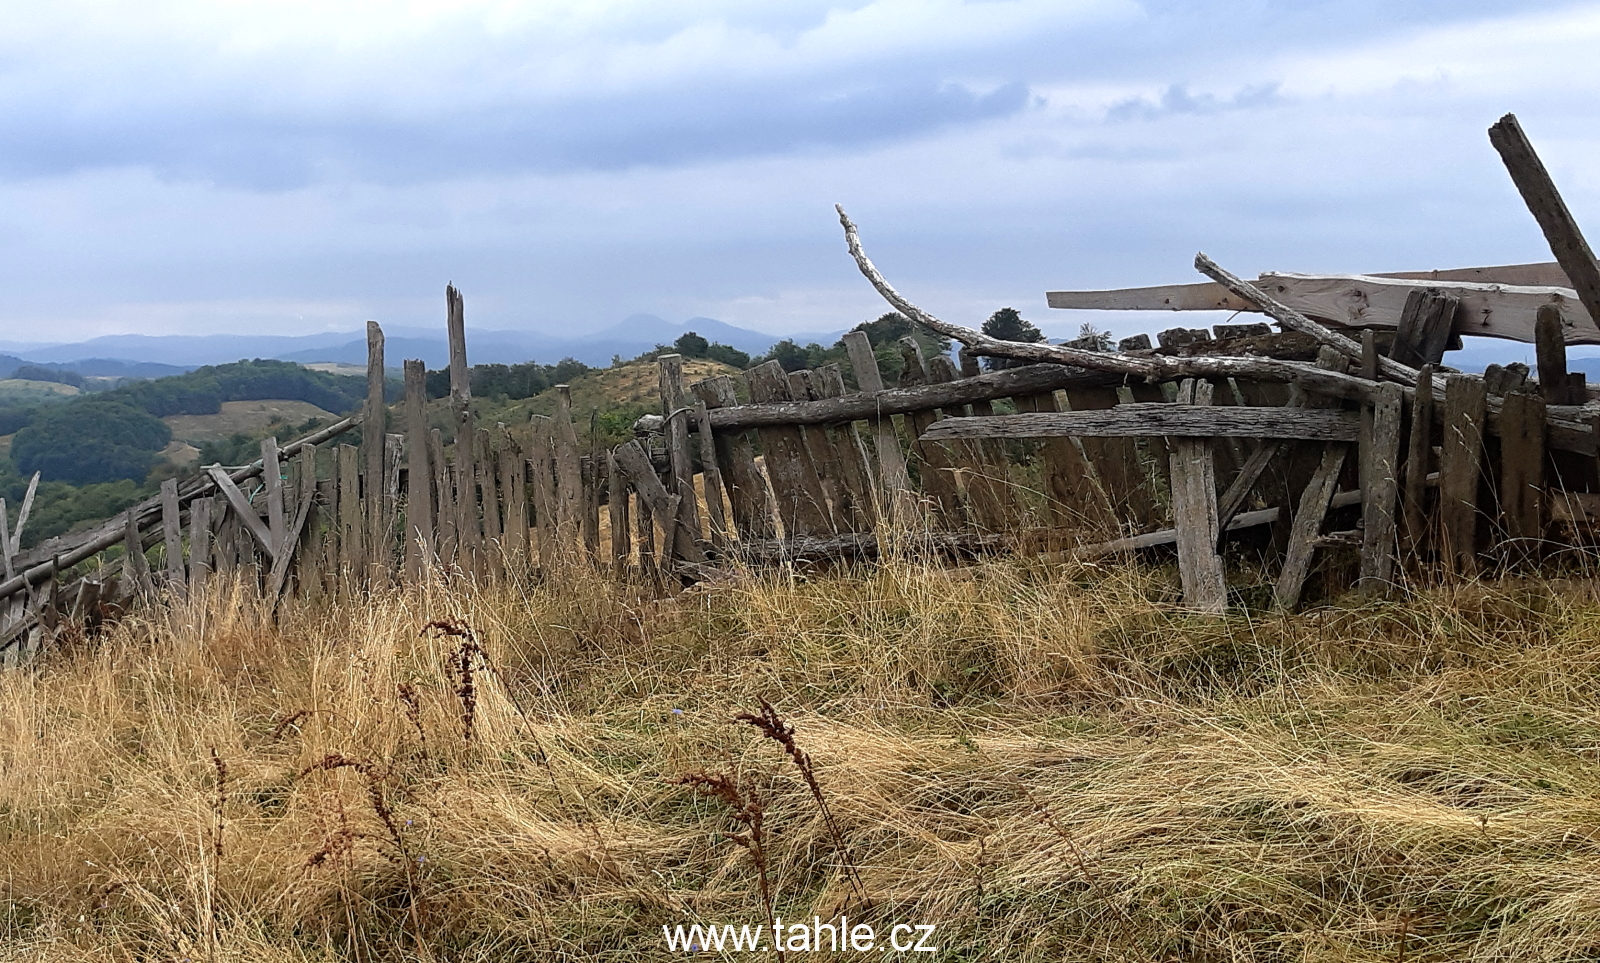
<point>747,809</point>
<point>1039,758</point>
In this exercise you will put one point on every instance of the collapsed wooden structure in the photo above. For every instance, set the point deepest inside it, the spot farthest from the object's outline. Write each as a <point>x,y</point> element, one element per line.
<point>1341,437</point>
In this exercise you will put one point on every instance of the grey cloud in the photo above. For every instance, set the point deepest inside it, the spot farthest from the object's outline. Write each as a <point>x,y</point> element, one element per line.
<point>1177,99</point>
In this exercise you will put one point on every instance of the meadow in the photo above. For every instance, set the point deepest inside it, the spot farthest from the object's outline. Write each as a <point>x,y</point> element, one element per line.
<point>1047,761</point>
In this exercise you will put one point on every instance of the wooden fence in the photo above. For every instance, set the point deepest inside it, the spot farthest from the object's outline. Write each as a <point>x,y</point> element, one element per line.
<point>1347,450</point>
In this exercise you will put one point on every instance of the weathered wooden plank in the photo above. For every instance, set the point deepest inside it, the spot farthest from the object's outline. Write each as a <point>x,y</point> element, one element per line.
<point>635,467</point>
<point>1551,351</point>
<point>513,466</point>
<point>591,470</point>
<point>5,542</point>
<point>272,482</point>
<point>1314,504</point>
<point>875,405</point>
<point>617,508</point>
<point>374,426</point>
<point>860,510</point>
<point>541,479</point>
<point>1419,461</point>
<point>646,529</point>
<point>820,452</point>
<point>469,531</point>
<point>419,554</point>
<point>278,577</point>
<point>935,466</point>
<point>493,534</point>
<point>444,510</point>
<point>747,490</point>
<point>1168,536</point>
<point>1460,463</point>
<point>22,515</point>
<point>1140,419</point>
<point>802,505</point>
<point>172,532</point>
<point>1522,458</point>
<point>568,472</point>
<point>1382,485</point>
<point>676,431</point>
<point>352,542</point>
<point>1194,511</point>
<point>135,567</point>
<point>1560,228</point>
<point>1116,462</point>
<point>712,474</point>
<point>200,563</point>
<point>242,508</point>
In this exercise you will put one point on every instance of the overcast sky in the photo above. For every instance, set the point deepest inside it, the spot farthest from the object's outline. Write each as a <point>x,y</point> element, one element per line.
<point>197,166</point>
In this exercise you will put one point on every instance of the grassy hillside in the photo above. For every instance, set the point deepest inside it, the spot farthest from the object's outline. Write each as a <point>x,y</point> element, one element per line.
<point>254,418</point>
<point>21,391</point>
<point>1042,761</point>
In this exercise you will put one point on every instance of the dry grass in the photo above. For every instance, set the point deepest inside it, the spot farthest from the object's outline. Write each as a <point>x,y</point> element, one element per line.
<point>1038,759</point>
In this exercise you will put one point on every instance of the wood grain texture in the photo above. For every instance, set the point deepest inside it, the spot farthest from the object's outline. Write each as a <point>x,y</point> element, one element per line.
<point>1460,467</point>
<point>200,563</point>
<point>352,556</point>
<point>736,456</point>
<point>468,531</point>
<point>1551,351</point>
<point>1522,476</point>
<point>1194,512</point>
<point>374,421</point>
<point>874,405</point>
<point>860,509</point>
<point>617,509</point>
<point>716,512</point>
<point>1419,462</point>
<point>1313,508</point>
<point>420,550</point>
<point>1139,419</point>
<point>802,506</point>
<point>1560,228</point>
<point>244,511</point>
<point>635,467</point>
<point>172,532</point>
<point>679,456</point>
<point>1381,461</point>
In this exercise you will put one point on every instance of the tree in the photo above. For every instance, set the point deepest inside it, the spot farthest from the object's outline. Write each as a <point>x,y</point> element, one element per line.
<point>99,439</point>
<point>790,355</point>
<point>691,345</point>
<point>1007,325</point>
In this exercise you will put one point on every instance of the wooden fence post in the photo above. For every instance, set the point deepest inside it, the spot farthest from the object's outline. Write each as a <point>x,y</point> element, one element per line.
<point>1381,460</point>
<point>374,426</point>
<point>1194,510</point>
<point>1460,463</point>
<point>673,405</point>
<point>892,472</point>
<point>468,531</point>
<point>419,497</point>
<point>172,534</point>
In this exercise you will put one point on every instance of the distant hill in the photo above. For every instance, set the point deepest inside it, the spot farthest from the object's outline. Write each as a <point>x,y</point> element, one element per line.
<point>177,353</point>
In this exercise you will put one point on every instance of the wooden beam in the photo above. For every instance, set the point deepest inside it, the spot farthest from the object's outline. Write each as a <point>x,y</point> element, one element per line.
<point>243,509</point>
<point>1150,419</point>
<point>374,425</point>
<point>1210,296</point>
<point>1539,192</point>
<point>1314,504</point>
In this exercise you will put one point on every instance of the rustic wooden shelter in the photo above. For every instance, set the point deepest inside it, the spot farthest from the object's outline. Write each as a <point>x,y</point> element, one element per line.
<point>1339,443</point>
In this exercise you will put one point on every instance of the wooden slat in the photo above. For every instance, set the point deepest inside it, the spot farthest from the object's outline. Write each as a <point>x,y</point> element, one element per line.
<point>272,482</point>
<point>679,457</point>
<point>22,515</point>
<point>278,577</point>
<point>541,481</point>
<point>1419,460</point>
<point>821,454</point>
<point>419,553</point>
<point>1135,420</point>
<point>352,544</point>
<point>135,567</point>
<point>617,507</point>
<point>715,509</point>
<point>936,465</point>
<point>802,506</point>
<point>1460,460</point>
<point>892,473</point>
<point>1381,487</point>
<point>1522,458</point>
<point>1314,504</point>
<point>444,506</point>
<point>513,467</point>
<point>200,563</point>
<point>1551,352</point>
<point>1539,192</point>
<point>635,466</point>
<point>568,472</point>
<point>172,532</point>
<point>242,508</point>
<point>1194,510</point>
<point>736,457</point>
<point>374,426</point>
<point>1116,463</point>
<point>860,511</point>
<point>493,534</point>
<point>468,530</point>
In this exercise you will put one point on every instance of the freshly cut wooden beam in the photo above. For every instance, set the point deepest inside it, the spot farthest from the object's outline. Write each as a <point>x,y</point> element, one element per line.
<point>1148,419</point>
<point>1497,308</point>
<point>1487,310</point>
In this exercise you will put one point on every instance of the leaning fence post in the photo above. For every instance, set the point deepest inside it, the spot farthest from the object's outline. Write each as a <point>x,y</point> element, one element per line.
<point>172,533</point>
